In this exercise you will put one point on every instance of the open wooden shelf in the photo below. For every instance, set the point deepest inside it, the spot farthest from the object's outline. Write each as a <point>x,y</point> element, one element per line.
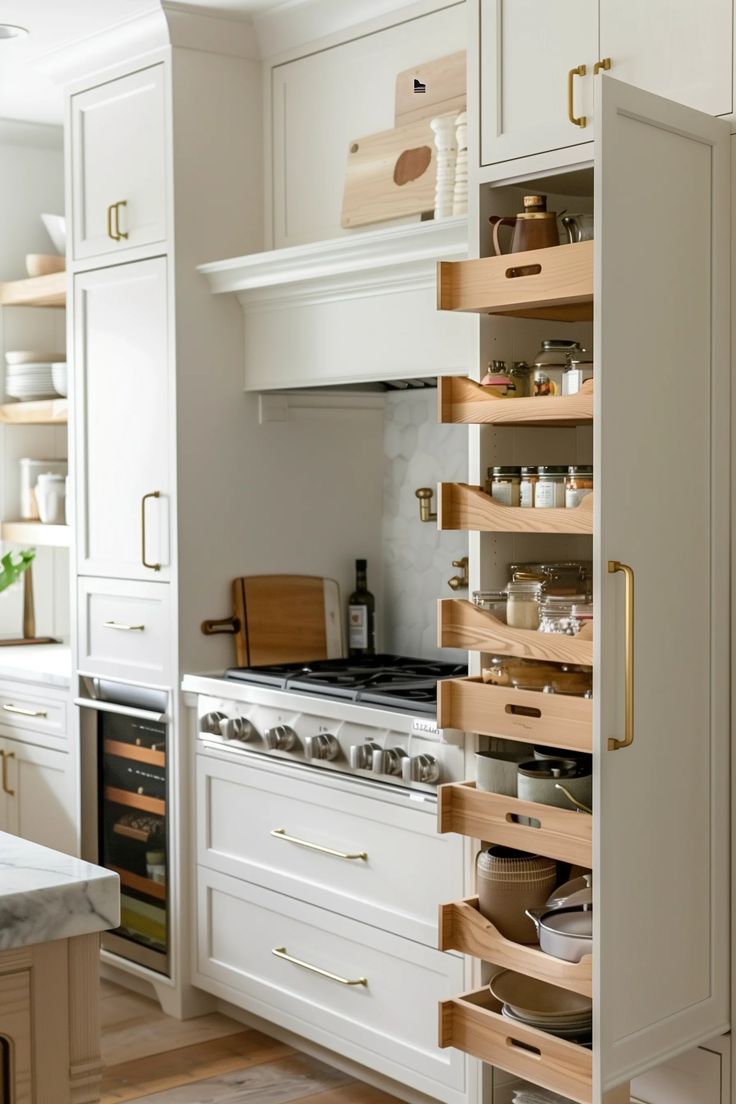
<point>36,291</point>
<point>563,834</point>
<point>35,532</point>
<point>44,412</point>
<point>461,624</point>
<point>473,1023</point>
<point>137,754</point>
<point>555,284</point>
<point>462,506</point>
<point>463,928</point>
<point>140,884</point>
<point>460,399</point>
<point>529,716</point>
<point>135,801</point>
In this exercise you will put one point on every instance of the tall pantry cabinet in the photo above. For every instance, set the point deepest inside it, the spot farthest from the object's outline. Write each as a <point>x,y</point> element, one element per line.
<point>153,354</point>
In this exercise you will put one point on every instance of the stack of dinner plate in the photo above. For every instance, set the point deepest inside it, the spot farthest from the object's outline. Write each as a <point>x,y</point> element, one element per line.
<point>29,375</point>
<point>536,1004</point>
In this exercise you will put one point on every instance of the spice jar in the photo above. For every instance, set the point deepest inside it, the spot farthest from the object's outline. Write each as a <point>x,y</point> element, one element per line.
<point>565,615</point>
<point>494,601</point>
<point>527,485</point>
<point>521,374</point>
<point>500,380</point>
<point>550,489</point>
<point>522,608</point>
<point>578,369</point>
<point>505,485</point>
<point>550,364</point>
<point>578,484</point>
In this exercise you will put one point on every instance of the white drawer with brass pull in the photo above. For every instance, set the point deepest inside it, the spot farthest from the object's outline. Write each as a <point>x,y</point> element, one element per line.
<point>124,629</point>
<point>361,992</point>
<point>28,711</point>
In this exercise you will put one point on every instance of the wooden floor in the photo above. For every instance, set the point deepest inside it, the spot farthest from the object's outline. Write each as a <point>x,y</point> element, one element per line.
<point>151,1058</point>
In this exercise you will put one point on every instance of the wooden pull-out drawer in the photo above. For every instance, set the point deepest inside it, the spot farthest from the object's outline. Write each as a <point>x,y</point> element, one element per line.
<point>463,928</point>
<point>563,835</point>
<point>556,720</point>
<point>462,624</point>
<point>462,400</point>
<point>473,1023</point>
<point>462,506</point>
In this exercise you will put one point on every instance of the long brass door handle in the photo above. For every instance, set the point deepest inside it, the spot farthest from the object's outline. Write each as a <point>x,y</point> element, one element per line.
<point>116,207</point>
<point>6,756</point>
<point>281,952</point>
<point>628,573</point>
<point>144,561</point>
<point>8,708</point>
<point>604,63</point>
<point>111,233</point>
<point>576,120</point>
<point>281,833</point>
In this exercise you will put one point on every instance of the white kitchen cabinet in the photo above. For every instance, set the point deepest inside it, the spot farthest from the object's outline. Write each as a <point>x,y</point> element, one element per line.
<point>682,51</point>
<point>119,148</point>
<point>124,630</point>
<point>123,421</point>
<point>38,799</point>
<point>701,1076</point>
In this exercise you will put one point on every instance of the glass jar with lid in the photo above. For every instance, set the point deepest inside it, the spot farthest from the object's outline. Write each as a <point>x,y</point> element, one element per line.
<point>522,608</point>
<point>578,484</point>
<point>550,364</point>
<point>521,374</point>
<point>494,601</point>
<point>505,485</point>
<point>527,485</point>
<point>549,492</point>
<point>500,380</point>
<point>566,615</point>
<point>564,577</point>
<point>578,369</point>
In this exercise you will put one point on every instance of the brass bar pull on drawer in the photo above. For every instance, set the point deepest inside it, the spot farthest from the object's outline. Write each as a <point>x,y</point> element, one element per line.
<point>281,833</point>
<point>144,561</point>
<point>604,63</point>
<point>123,628</point>
<point>8,708</point>
<point>116,207</point>
<point>628,573</point>
<point>281,952</point>
<point>6,785</point>
<point>576,120</point>
<point>110,228</point>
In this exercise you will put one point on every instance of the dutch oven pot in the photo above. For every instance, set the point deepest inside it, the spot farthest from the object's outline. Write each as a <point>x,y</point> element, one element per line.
<point>564,783</point>
<point>564,932</point>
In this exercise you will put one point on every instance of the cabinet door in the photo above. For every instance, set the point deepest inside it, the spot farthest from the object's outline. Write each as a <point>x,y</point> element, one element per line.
<point>122,428</point>
<point>119,142</point>
<point>674,48</point>
<point>662,180</point>
<point>526,52</point>
<point>16,1038</point>
<point>41,795</point>
<point>698,1077</point>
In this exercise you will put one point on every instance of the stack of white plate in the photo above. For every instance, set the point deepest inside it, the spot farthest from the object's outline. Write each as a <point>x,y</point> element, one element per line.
<point>29,375</point>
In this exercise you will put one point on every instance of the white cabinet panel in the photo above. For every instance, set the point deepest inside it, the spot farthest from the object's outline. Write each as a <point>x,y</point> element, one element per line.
<point>119,140</point>
<point>41,795</point>
<point>123,423</point>
<point>124,630</point>
<point>698,1077</point>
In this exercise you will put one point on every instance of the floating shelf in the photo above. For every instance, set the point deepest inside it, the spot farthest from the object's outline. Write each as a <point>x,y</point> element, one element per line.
<point>45,412</point>
<point>563,833</point>
<point>473,1023</point>
<point>554,284</point>
<point>463,928</point>
<point>465,625</point>
<point>137,754</point>
<point>135,801</point>
<point>35,532</point>
<point>462,506</point>
<point>140,884</point>
<point>462,400</point>
<point>529,716</point>
<point>36,291</point>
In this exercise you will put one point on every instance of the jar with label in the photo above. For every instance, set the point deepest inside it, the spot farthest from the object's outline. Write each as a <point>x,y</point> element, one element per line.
<point>565,615</point>
<point>578,369</point>
<point>494,601</point>
<point>550,364</point>
<point>505,485</point>
<point>500,380</point>
<point>522,608</point>
<point>578,484</point>
<point>527,485</point>
<point>549,492</point>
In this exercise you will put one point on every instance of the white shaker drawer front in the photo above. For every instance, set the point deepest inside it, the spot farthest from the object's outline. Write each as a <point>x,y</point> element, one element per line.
<point>32,715</point>
<point>376,861</point>
<point>698,1077</point>
<point>125,630</point>
<point>356,990</point>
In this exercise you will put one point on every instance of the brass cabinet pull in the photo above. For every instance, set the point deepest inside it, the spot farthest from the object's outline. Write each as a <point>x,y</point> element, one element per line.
<point>628,573</point>
<point>7,755</point>
<point>116,207</point>
<point>24,712</point>
<point>281,833</point>
<point>123,628</point>
<point>576,120</point>
<point>144,561</point>
<point>604,63</point>
<point>281,952</point>
<point>110,230</point>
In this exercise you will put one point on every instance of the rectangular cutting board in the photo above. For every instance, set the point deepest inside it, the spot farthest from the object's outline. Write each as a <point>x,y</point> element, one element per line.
<point>389,175</point>
<point>445,83</point>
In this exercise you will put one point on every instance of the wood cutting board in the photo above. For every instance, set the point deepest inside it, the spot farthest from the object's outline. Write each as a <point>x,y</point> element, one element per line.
<point>389,175</point>
<point>445,82</point>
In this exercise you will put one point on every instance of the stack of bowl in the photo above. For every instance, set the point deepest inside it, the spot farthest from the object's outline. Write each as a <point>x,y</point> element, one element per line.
<point>534,1003</point>
<point>33,376</point>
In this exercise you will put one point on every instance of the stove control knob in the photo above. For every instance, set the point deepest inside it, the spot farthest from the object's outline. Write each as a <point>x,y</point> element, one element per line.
<point>280,738</point>
<point>420,768</point>
<point>361,755</point>
<point>322,746</point>
<point>388,760</point>
<point>210,723</point>
<point>237,728</point>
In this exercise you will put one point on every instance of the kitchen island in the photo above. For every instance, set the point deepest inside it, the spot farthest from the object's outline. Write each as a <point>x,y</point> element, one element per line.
<point>52,909</point>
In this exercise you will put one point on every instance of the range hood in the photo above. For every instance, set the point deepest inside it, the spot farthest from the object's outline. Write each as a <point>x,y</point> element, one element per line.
<point>360,309</point>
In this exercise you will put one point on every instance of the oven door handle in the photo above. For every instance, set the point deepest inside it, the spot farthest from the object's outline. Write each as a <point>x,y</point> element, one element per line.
<point>122,710</point>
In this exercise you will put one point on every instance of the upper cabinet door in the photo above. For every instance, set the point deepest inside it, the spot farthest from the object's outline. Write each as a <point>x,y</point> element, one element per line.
<point>662,306</point>
<point>527,50</point>
<point>676,48</point>
<point>119,164</point>
<point>124,411</point>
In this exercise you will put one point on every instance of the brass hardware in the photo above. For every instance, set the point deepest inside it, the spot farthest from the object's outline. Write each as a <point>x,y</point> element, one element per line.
<point>110,230</point>
<point>281,952</point>
<point>123,628</point>
<point>281,833</point>
<point>576,120</point>
<point>116,207</point>
<point>24,712</point>
<point>144,561</point>
<point>7,755</point>
<point>425,495</point>
<point>628,573</point>
<point>604,63</point>
<point>578,804</point>
<point>460,582</point>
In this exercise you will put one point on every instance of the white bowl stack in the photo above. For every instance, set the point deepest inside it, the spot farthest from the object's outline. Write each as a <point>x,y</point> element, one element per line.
<point>29,376</point>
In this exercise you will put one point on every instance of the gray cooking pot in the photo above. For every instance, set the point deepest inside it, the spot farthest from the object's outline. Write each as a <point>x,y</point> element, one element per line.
<point>565,933</point>
<point>565,783</point>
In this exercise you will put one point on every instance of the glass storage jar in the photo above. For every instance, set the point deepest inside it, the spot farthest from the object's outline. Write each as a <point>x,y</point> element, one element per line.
<point>566,615</point>
<point>549,365</point>
<point>494,601</point>
<point>549,492</point>
<point>505,485</point>
<point>565,577</point>
<point>527,485</point>
<point>521,374</point>
<point>522,608</point>
<point>578,484</point>
<point>500,380</point>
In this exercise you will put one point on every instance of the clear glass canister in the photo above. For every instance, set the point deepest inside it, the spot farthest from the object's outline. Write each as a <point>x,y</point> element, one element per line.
<point>521,374</point>
<point>578,484</point>
<point>505,485</point>
<point>527,485</point>
<point>549,365</point>
<point>563,577</point>
<point>550,489</point>
<point>494,601</point>
<point>565,615</point>
<point>522,608</point>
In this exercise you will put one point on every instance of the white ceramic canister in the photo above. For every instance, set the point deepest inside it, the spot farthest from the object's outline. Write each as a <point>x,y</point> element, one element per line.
<point>30,469</point>
<point>51,498</point>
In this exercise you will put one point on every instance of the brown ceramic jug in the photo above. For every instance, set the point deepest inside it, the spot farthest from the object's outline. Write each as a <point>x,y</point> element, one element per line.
<point>534,228</point>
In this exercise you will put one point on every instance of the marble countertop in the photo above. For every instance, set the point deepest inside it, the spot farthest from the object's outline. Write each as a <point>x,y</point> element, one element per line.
<point>44,664</point>
<point>46,895</point>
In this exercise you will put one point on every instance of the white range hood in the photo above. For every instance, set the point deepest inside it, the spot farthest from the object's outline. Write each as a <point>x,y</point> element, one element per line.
<point>358,309</point>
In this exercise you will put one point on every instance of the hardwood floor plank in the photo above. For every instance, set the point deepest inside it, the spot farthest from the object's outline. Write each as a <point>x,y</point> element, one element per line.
<point>357,1092</point>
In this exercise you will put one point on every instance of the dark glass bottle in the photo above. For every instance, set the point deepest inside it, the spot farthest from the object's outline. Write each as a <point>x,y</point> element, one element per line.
<point>361,615</point>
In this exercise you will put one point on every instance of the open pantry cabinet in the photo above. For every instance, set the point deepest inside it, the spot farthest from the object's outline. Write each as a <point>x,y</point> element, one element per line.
<point>652,293</point>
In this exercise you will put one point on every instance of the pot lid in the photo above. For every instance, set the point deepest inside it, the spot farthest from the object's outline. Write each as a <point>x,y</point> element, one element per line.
<point>578,892</point>
<point>577,922</point>
<point>550,768</point>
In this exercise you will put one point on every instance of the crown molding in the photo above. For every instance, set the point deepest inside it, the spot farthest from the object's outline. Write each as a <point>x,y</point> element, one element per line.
<point>212,31</point>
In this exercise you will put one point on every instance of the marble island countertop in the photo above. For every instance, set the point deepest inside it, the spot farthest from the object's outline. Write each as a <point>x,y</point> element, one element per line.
<point>44,664</point>
<point>46,895</point>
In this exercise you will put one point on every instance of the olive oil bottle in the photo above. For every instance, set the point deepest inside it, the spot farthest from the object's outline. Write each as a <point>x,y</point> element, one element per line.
<point>361,615</point>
